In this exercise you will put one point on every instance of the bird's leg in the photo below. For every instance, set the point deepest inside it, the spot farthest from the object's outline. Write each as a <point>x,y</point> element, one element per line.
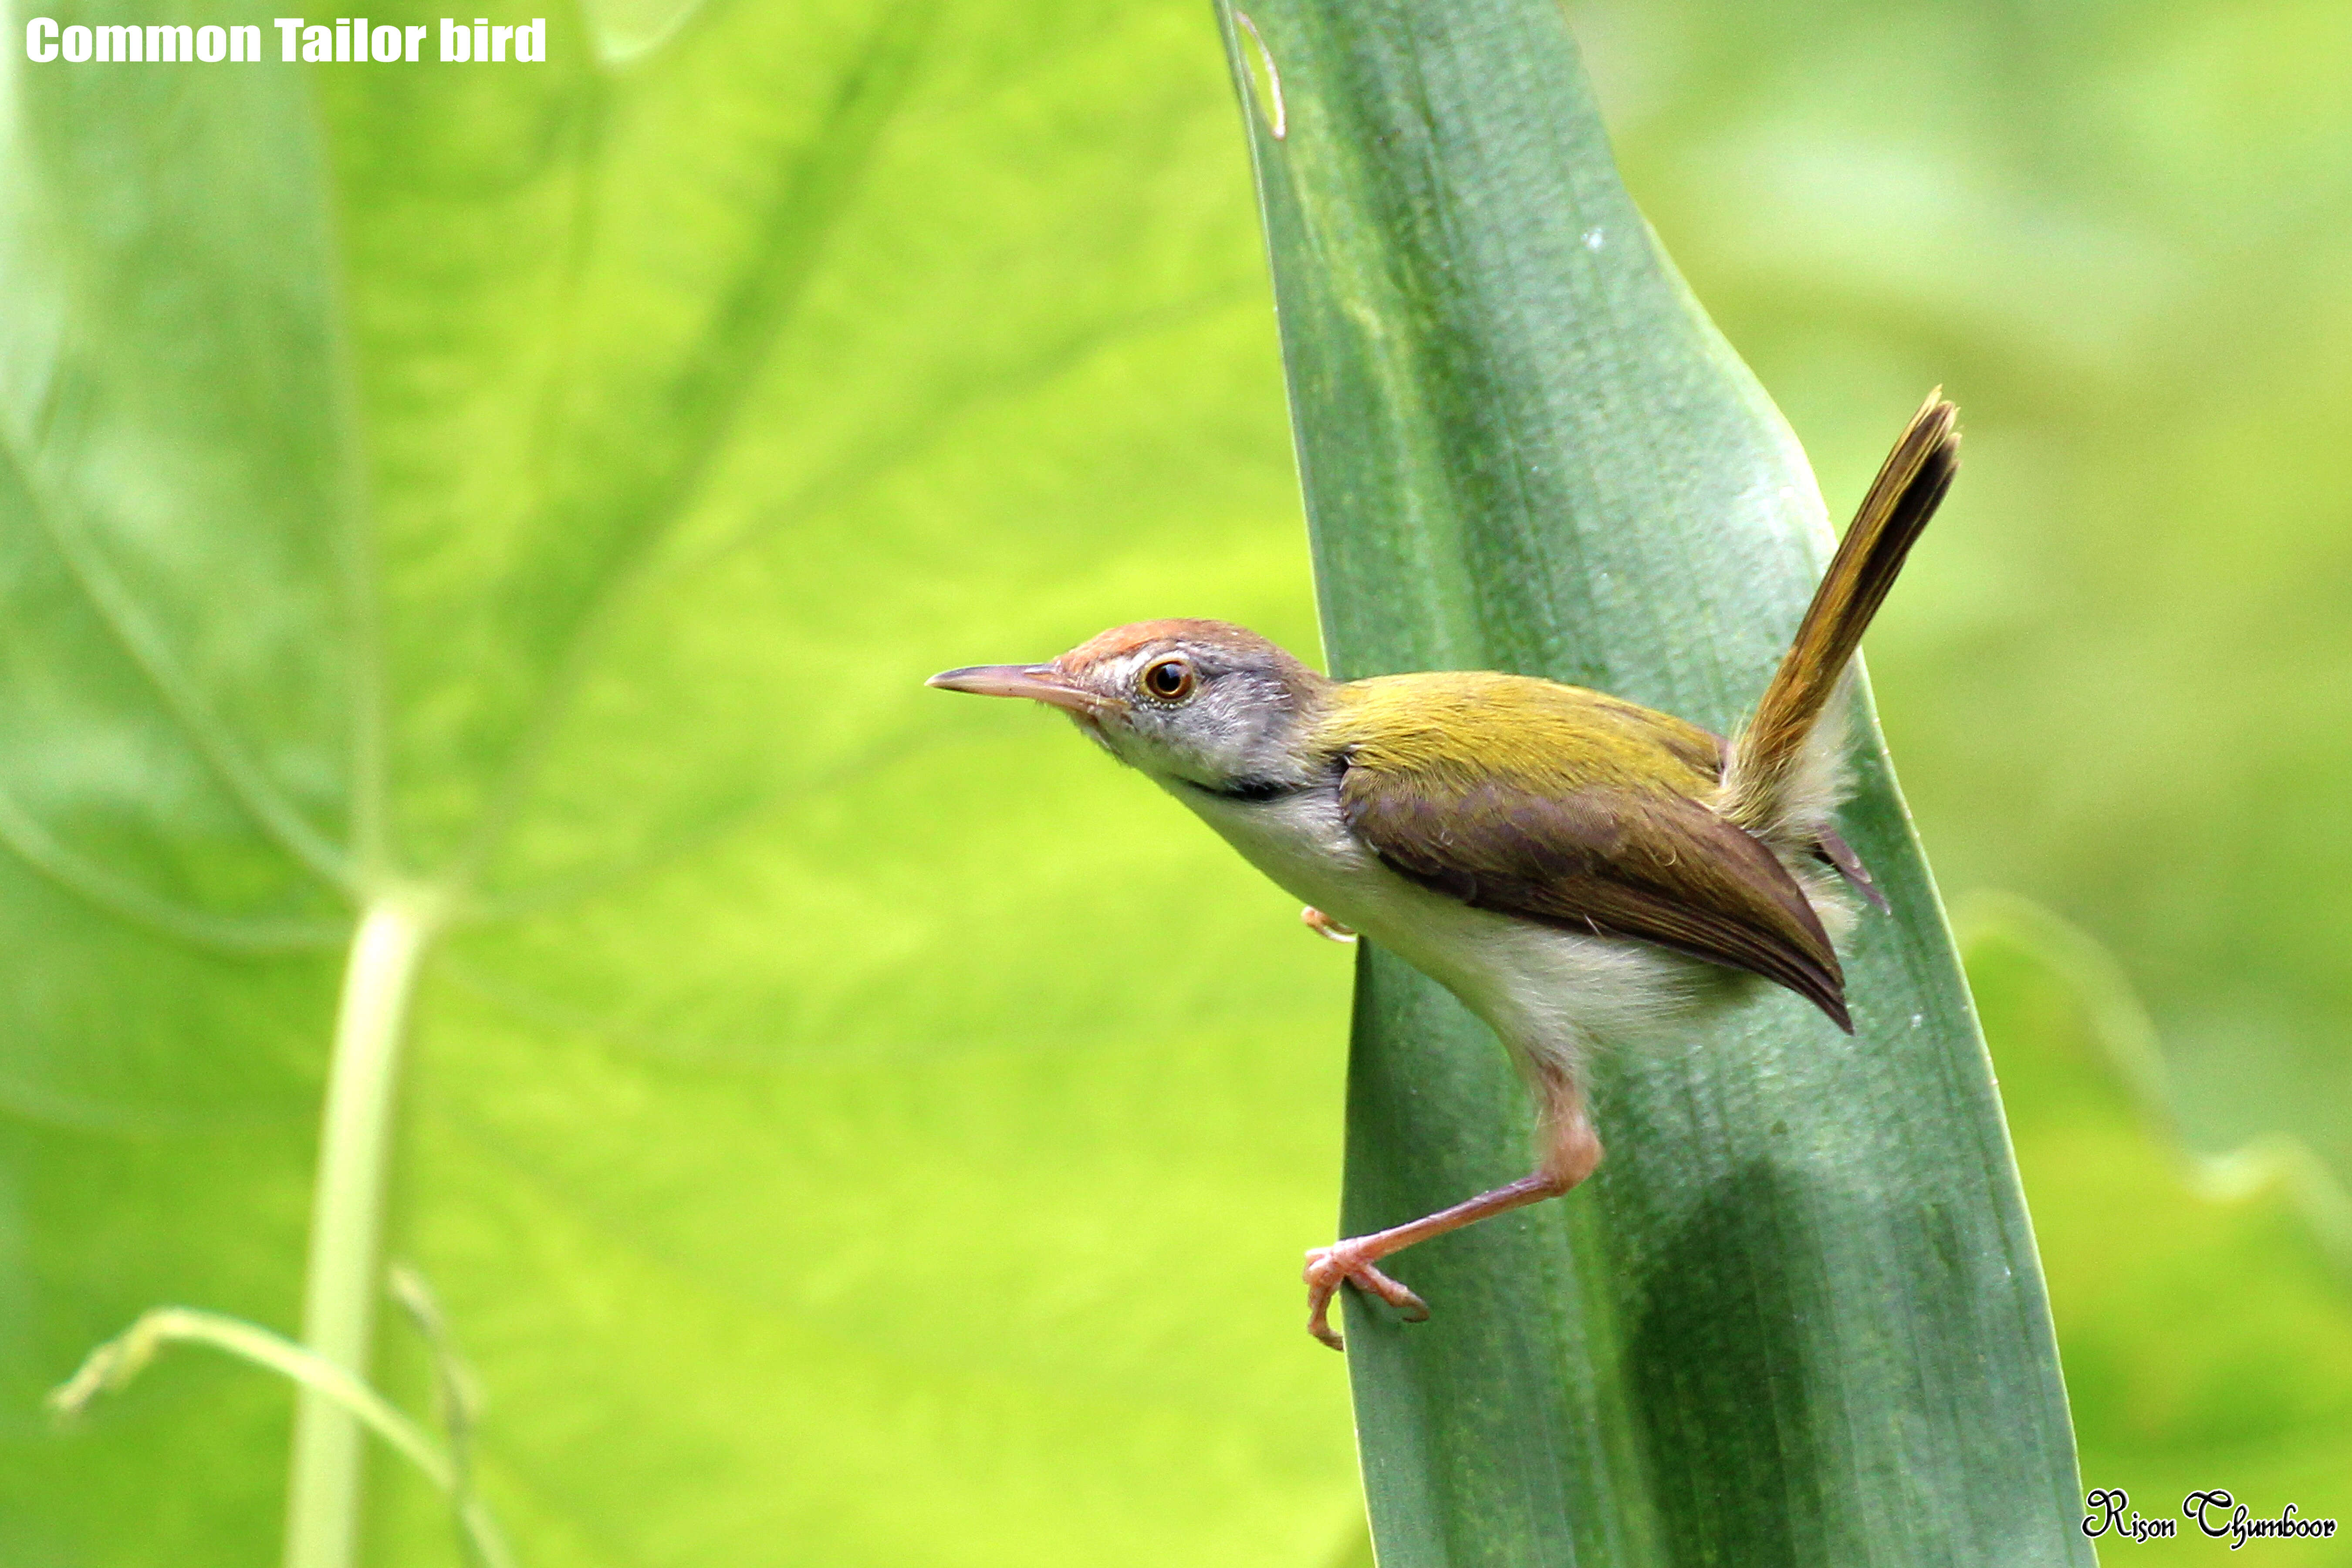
<point>1321,924</point>
<point>1571,1150</point>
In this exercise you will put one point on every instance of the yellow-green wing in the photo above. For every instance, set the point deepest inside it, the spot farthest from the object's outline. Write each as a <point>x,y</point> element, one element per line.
<point>1578,810</point>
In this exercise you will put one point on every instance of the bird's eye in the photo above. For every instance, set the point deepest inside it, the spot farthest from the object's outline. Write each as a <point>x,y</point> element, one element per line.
<point>1168,679</point>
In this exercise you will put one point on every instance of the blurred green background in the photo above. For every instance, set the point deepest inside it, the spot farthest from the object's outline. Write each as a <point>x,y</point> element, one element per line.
<point>863,1127</point>
<point>2117,678</point>
<point>2121,678</point>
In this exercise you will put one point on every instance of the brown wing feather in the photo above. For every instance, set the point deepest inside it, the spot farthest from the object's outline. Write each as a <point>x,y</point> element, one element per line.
<point>1603,859</point>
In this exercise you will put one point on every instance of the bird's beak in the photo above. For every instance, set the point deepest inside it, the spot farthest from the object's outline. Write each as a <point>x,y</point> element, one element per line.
<point>1041,682</point>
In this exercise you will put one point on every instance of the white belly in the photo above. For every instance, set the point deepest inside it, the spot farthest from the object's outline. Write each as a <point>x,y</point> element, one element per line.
<point>1554,995</point>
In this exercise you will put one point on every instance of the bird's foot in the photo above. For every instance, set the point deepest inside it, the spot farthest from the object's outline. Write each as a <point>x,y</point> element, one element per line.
<point>1328,1267</point>
<point>1321,924</point>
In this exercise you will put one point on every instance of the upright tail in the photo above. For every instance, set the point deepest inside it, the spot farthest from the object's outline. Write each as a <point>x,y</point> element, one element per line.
<point>1775,783</point>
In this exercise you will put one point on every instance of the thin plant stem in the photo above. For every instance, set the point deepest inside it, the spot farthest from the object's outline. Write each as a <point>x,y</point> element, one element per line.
<point>456,1395</point>
<point>114,1364</point>
<point>323,1503</point>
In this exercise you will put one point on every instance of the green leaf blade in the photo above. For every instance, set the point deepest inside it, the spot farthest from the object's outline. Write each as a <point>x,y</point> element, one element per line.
<point>805,1152</point>
<point>1801,1291</point>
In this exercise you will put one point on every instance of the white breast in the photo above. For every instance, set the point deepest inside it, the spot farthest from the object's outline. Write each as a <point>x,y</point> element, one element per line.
<point>1554,995</point>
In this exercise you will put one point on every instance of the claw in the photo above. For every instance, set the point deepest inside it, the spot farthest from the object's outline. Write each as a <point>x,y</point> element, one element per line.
<point>1323,925</point>
<point>1328,1267</point>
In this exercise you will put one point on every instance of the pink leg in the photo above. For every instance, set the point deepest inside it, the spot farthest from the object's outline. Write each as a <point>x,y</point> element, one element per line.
<point>1321,924</point>
<point>1572,1151</point>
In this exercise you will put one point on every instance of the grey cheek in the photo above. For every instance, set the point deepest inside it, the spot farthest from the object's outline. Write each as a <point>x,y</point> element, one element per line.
<point>1229,738</point>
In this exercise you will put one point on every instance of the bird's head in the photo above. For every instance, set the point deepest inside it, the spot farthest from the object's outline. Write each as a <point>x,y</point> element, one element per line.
<point>1197,702</point>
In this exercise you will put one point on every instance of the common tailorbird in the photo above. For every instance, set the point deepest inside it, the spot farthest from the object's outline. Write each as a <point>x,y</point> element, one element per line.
<point>1580,870</point>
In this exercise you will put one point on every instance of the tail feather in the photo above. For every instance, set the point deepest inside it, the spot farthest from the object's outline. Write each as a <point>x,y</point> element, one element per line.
<point>1764,788</point>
